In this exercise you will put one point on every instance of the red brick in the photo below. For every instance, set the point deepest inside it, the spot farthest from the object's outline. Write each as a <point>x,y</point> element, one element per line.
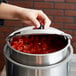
<point>2,42</point>
<point>67,31</point>
<point>70,0</point>
<point>64,6</point>
<point>38,0</point>
<point>56,0</point>
<point>74,32</point>
<point>64,19</point>
<point>74,45</point>
<point>22,0</point>
<point>57,25</point>
<point>74,50</point>
<point>51,0</point>
<point>1,48</point>
<point>70,13</point>
<point>43,5</point>
<point>1,65</point>
<point>17,28</point>
<point>1,35</point>
<point>22,4</point>
<point>10,2</point>
<point>7,33</point>
<point>54,12</point>
<point>13,23</point>
<point>74,38</point>
<point>1,58</point>
<point>75,19</point>
<point>0,72</point>
<point>6,29</point>
<point>70,26</point>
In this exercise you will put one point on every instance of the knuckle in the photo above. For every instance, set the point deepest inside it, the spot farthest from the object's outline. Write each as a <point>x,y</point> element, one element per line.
<point>40,11</point>
<point>50,22</point>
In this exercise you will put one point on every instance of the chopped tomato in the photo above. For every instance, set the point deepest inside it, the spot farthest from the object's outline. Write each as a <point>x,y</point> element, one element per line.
<point>38,44</point>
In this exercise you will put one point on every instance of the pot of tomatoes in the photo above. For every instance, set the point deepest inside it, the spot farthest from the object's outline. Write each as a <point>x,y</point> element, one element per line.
<point>38,47</point>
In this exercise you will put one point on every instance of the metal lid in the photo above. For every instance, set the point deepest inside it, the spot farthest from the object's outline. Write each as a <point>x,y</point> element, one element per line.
<point>31,30</point>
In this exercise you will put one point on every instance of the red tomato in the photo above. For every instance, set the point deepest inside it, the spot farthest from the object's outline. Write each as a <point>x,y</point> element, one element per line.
<point>38,44</point>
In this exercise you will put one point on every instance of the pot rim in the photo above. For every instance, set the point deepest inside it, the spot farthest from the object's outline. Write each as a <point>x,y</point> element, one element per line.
<point>59,51</point>
<point>65,60</point>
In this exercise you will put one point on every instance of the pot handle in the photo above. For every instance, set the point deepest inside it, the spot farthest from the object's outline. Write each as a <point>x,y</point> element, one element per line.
<point>41,26</point>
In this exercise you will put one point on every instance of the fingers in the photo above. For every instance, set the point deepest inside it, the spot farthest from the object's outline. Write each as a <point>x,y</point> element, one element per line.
<point>36,17</point>
<point>35,22</point>
<point>46,21</point>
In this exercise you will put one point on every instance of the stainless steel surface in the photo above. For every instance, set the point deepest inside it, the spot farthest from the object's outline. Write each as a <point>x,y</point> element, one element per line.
<point>72,71</point>
<point>30,59</point>
<point>59,69</point>
<point>30,30</point>
<point>38,59</point>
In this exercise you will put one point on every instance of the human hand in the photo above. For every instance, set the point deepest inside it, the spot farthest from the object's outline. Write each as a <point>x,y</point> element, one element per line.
<point>28,16</point>
<point>34,17</point>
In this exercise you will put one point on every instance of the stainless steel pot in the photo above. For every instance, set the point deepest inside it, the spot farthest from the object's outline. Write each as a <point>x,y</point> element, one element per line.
<point>59,69</point>
<point>38,59</point>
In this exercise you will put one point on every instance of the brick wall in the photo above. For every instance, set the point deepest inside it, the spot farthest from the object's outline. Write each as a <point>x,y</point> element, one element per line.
<point>61,12</point>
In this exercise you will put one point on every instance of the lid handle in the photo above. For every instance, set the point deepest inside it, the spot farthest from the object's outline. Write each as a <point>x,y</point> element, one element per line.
<point>41,27</point>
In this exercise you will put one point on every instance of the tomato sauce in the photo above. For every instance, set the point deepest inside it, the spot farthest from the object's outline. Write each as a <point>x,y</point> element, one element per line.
<point>38,44</point>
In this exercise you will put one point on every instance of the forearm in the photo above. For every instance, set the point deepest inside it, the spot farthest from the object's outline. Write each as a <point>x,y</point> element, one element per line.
<point>8,11</point>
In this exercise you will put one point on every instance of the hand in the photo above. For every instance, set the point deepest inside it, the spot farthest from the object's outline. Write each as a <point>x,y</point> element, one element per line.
<point>34,17</point>
<point>28,16</point>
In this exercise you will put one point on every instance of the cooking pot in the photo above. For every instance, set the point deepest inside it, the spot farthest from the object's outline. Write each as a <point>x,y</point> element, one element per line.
<point>17,69</point>
<point>38,59</point>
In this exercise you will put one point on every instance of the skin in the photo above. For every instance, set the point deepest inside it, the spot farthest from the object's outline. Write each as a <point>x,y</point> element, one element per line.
<point>28,16</point>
